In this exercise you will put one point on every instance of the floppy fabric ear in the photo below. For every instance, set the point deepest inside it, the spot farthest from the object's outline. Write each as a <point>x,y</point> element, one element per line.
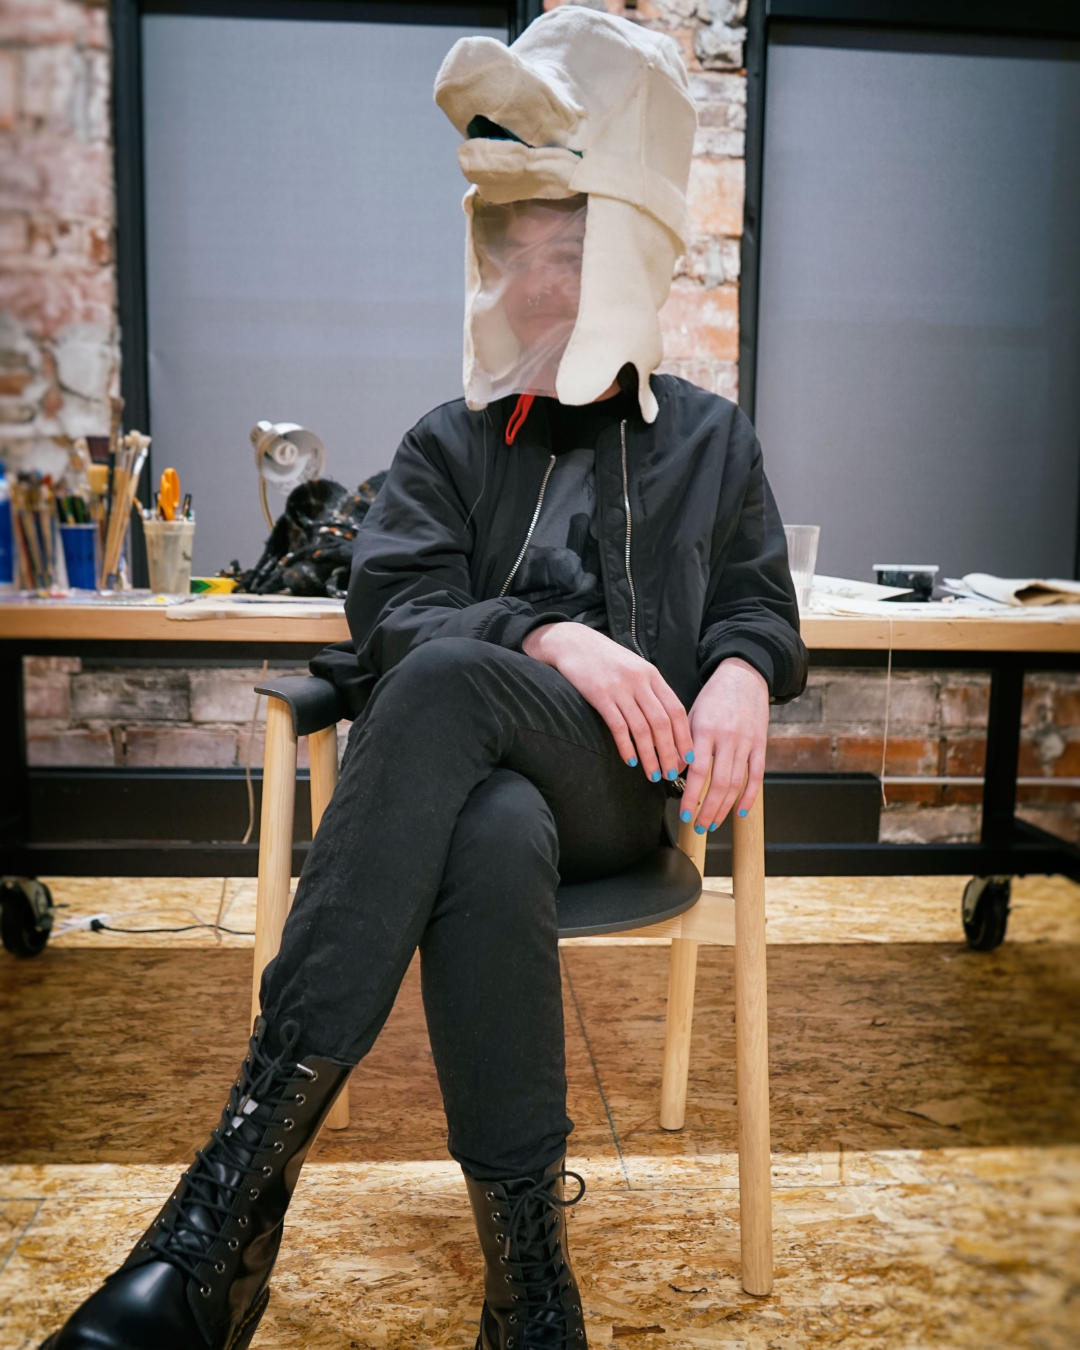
<point>481,77</point>
<point>629,257</point>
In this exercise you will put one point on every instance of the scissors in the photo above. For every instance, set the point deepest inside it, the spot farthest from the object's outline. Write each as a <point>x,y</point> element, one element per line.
<point>169,494</point>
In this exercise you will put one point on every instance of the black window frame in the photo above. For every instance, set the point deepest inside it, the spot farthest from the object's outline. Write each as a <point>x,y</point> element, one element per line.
<point>128,154</point>
<point>929,25</point>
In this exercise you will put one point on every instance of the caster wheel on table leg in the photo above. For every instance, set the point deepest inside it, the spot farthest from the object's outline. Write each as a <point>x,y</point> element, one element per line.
<point>27,915</point>
<point>985,912</point>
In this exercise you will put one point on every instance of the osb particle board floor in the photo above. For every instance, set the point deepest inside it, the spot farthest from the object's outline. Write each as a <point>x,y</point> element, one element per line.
<point>926,1131</point>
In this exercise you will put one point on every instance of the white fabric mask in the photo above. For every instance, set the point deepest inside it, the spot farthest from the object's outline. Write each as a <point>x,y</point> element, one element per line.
<point>581,105</point>
<point>527,260</point>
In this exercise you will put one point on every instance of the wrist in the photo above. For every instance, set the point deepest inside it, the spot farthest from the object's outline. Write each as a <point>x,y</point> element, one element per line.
<point>731,664</point>
<point>537,642</point>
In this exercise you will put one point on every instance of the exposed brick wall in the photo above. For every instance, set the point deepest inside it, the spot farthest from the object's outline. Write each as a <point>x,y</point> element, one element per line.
<point>58,365</point>
<point>59,357</point>
<point>150,718</point>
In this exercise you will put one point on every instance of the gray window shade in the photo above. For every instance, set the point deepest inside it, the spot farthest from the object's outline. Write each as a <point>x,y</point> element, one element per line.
<point>919,328</point>
<point>304,249</point>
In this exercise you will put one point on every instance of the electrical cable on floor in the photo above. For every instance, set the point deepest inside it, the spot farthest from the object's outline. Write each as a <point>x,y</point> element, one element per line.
<point>96,926</point>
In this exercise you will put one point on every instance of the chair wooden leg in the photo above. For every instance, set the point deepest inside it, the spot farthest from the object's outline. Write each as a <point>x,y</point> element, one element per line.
<point>752,1050</point>
<point>322,749</point>
<point>682,977</point>
<point>275,840</point>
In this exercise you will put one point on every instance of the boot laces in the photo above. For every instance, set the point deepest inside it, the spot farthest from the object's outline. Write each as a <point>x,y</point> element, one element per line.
<point>532,1229</point>
<point>210,1186</point>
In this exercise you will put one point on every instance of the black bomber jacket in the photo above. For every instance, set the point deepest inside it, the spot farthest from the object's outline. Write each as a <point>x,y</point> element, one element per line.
<point>693,556</point>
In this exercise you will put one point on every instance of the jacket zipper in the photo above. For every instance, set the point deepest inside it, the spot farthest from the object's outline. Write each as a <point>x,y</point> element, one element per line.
<point>532,526</point>
<point>629,531</point>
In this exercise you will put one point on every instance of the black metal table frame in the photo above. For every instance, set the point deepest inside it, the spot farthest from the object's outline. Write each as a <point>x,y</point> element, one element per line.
<point>1007,846</point>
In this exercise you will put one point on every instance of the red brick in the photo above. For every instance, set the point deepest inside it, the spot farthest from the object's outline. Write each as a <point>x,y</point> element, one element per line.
<point>9,90</point>
<point>49,301</point>
<point>965,705</point>
<point>1067,706</point>
<point>907,755</point>
<point>965,757</point>
<point>701,322</point>
<point>13,382</point>
<point>715,196</point>
<point>799,754</point>
<point>928,794</point>
<point>51,665</point>
<point>48,697</point>
<point>32,21</point>
<point>180,747</point>
<point>69,746</point>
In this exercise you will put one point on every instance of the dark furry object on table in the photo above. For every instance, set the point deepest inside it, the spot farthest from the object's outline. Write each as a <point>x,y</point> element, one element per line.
<point>309,551</point>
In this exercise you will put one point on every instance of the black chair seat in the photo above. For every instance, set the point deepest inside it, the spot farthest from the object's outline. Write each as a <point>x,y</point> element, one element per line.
<point>663,885</point>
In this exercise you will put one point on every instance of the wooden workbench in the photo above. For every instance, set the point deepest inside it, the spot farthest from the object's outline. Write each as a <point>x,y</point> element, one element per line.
<point>1006,645</point>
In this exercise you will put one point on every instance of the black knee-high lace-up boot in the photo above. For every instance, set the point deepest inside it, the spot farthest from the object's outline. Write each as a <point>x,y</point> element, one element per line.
<point>531,1299</point>
<point>199,1277</point>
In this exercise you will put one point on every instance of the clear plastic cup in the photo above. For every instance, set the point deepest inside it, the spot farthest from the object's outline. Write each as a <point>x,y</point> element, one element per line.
<point>168,555</point>
<point>802,547</point>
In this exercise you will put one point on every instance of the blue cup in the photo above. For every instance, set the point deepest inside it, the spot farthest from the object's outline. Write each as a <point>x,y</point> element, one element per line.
<point>81,554</point>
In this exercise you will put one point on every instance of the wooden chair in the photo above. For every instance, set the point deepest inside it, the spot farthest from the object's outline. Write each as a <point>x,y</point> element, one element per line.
<point>661,897</point>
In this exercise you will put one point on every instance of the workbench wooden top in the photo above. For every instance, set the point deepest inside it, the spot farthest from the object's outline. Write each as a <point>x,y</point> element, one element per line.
<point>939,630</point>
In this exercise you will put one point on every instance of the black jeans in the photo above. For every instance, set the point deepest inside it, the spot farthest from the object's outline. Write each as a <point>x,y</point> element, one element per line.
<point>476,779</point>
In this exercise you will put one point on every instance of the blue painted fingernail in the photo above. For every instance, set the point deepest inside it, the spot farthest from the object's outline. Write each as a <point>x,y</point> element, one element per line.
<point>714,826</point>
<point>684,816</point>
<point>655,775</point>
<point>673,773</point>
<point>689,756</point>
<point>699,829</point>
<point>743,811</point>
<point>632,762</point>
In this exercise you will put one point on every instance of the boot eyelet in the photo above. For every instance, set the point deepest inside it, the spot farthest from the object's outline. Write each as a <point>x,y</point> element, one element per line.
<point>287,1124</point>
<point>509,1279</point>
<point>299,1099</point>
<point>279,1147</point>
<point>580,1334</point>
<point>504,1260</point>
<point>219,1266</point>
<point>576,1308</point>
<point>234,1245</point>
<point>253,1194</point>
<point>268,1171</point>
<point>205,1290</point>
<point>490,1195</point>
<point>145,1246</point>
<point>243,1221</point>
<point>512,1319</point>
<point>509,1340</point>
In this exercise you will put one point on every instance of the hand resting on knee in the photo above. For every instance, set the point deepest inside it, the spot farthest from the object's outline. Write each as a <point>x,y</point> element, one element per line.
<point>727,726</point>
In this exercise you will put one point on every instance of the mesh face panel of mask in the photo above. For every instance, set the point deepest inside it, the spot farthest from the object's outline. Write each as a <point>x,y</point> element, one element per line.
<point>528,255</point>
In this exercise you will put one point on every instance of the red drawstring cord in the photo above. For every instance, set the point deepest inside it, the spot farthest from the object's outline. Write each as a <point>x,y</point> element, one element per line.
<point>518,416</point>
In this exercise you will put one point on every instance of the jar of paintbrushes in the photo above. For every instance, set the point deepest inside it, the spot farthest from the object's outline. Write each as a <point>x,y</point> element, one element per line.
<point>169,531</point>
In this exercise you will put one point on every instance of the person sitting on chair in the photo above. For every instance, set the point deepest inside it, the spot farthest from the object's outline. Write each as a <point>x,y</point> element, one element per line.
<point>572,588</point>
